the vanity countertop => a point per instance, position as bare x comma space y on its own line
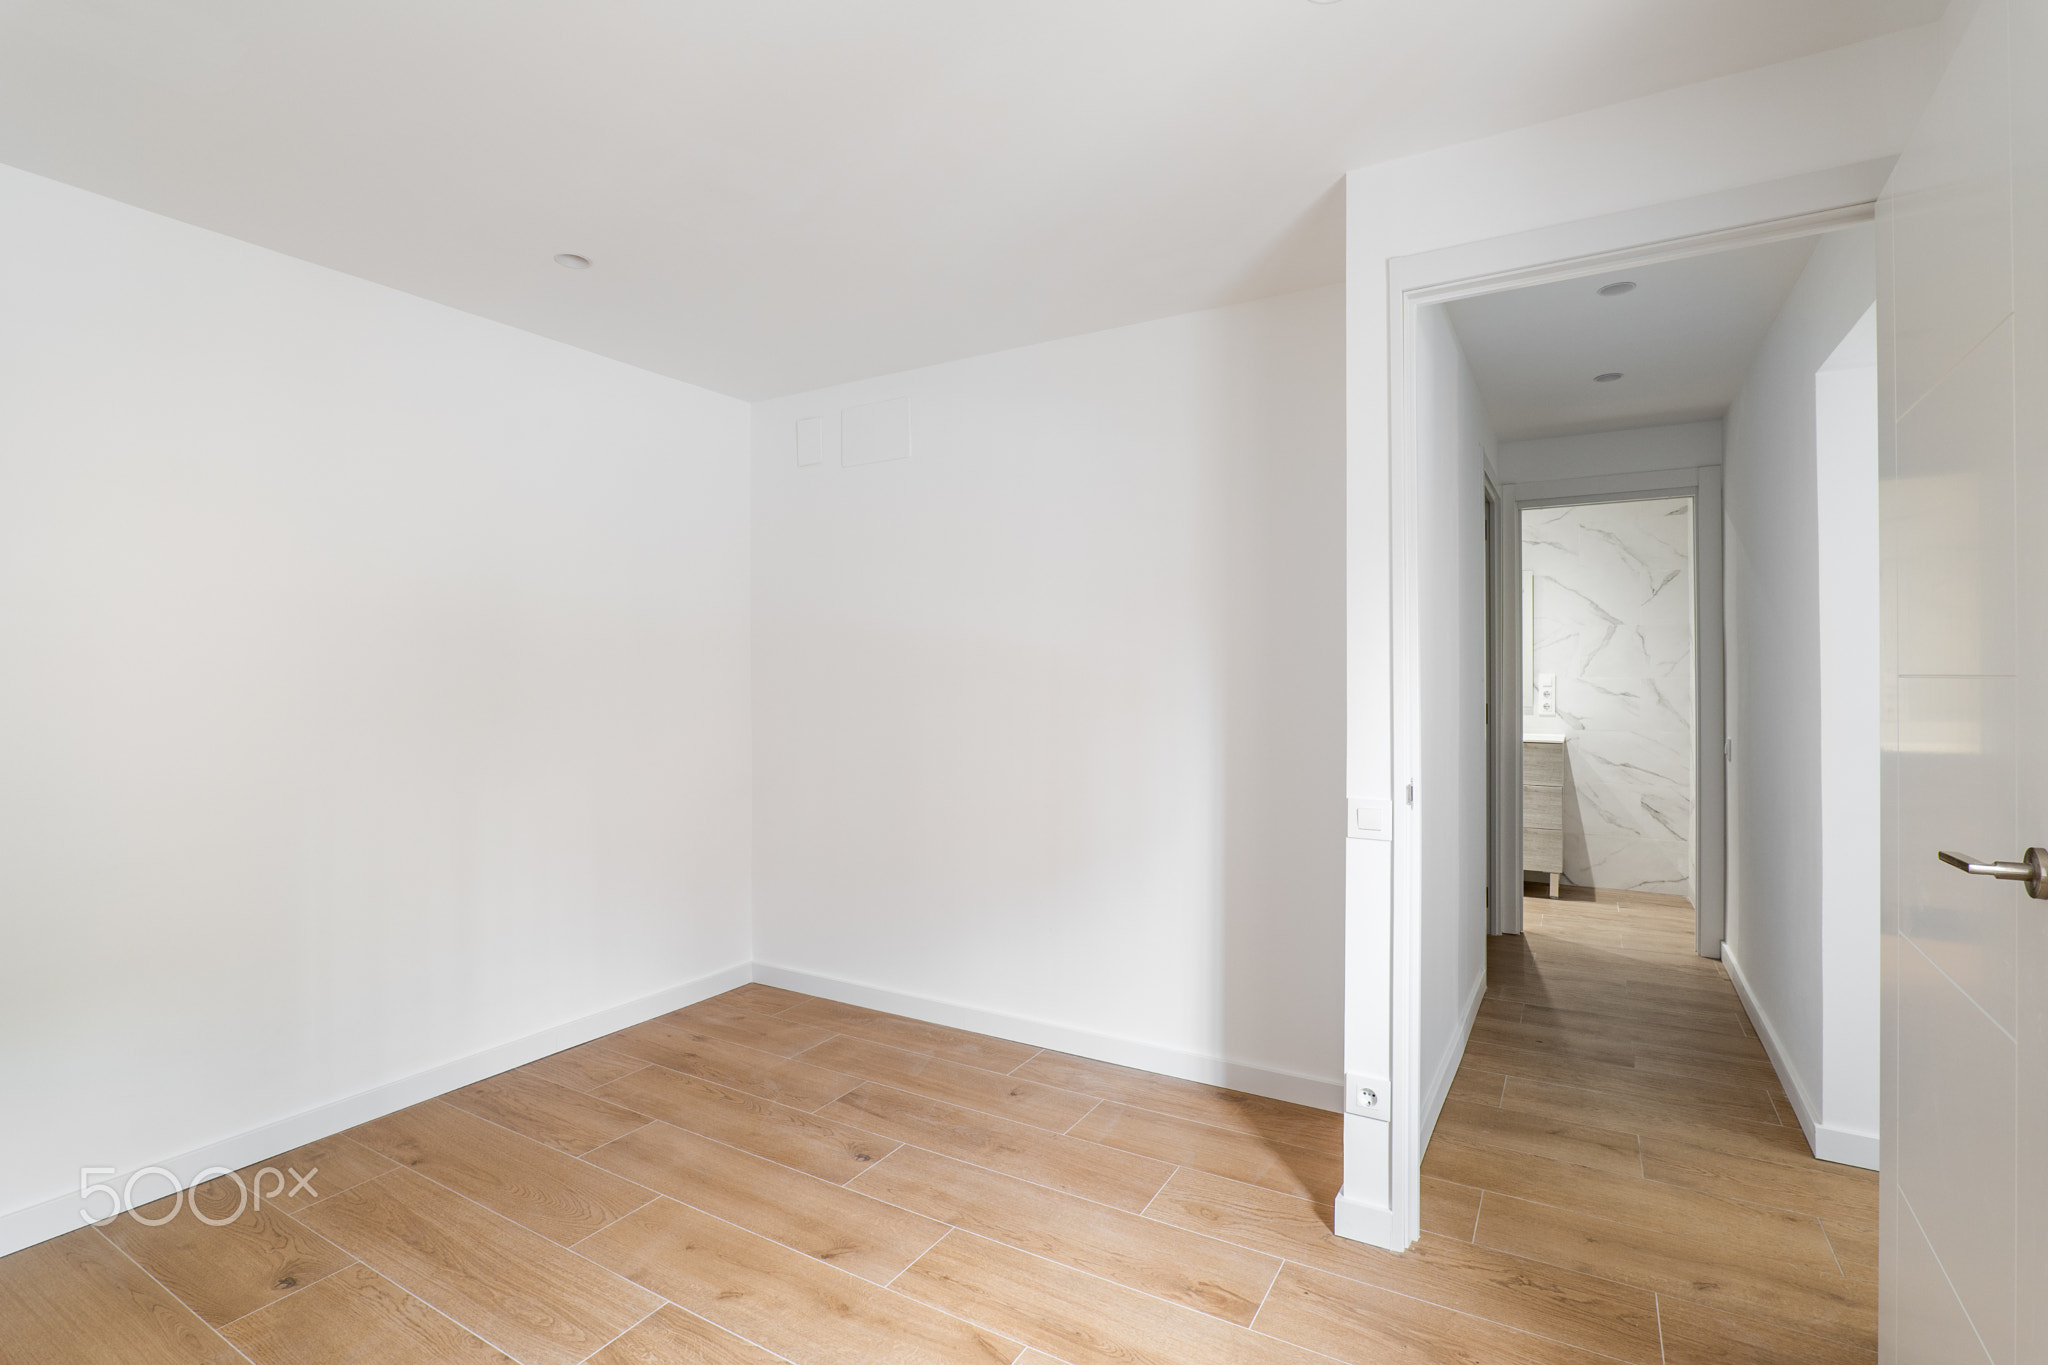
1528, 738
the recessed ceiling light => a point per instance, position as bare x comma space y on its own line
1322, 2
1607, 378
569, 260
1618, 287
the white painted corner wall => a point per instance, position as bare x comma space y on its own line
1803, 829
376, 702
1049, 714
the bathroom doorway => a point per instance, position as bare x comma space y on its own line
1608, 700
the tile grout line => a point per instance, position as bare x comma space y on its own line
296, 1289
632, 1327
150, 1275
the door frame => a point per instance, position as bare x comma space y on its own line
1702, 485
1801, 206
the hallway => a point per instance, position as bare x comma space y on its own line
1615, 1115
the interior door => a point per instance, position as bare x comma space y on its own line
1963, 265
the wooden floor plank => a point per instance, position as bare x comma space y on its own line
305, 1175
1088, 1169
1220, 1151
220, 1253
1353, 1322
517, 1290
1762, 1232
1629, 1113
356, 1315
790, 1303
1855, 1244
1742, 1102
1296, 1125
76, 1298
1626, 1011
530, 1183
1076, 1317
834, 1223
992, 1092
1713, 1274
762, 998
1602, 1316
1449, 1210
675, 1337
584, 1068
1700, 1336
913, 1035
811, 1143
565, 1119
1555, 1042
1603, 1149
732, 1065
765, 1032
1755, 1072
1476, 1085
1217, 1278
1823, 1189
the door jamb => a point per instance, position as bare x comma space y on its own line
1709, 824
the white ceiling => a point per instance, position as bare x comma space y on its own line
781, 194
1682, 340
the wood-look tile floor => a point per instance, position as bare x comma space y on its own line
772, 1177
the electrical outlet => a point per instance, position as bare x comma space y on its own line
1365, 1096
1546, 694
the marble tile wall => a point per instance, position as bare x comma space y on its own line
1613, 618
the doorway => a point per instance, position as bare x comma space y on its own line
1608, 685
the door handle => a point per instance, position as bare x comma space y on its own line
2031, 869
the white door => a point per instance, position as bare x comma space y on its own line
1963, 280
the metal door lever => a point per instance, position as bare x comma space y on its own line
2031, 869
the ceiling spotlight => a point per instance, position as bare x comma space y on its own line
569, 260
1607, 378
1608, 291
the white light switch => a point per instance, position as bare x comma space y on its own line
1370, 817
1546, 694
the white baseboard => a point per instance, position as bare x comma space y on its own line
1447, 1066
53, 1217
1320, 1092
1372, 1224
1843, 1145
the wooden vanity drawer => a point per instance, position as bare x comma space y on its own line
1543, 765
1543, 850
1542, 807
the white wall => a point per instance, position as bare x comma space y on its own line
1050, 713
1776, 881
1613, 623
1768, 141
1457, 444
375, 696
1851, 828
1637, 450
